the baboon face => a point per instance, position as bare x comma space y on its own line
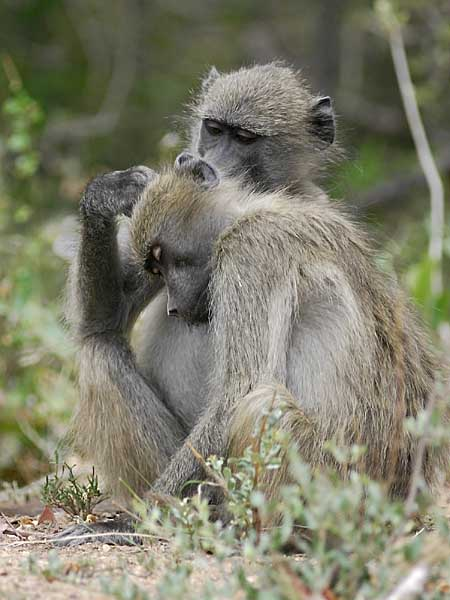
235, 149
263, 124
182, 257
174, 229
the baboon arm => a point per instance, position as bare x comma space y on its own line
208, 437
106, 290
121, 422
250, 327
255, 302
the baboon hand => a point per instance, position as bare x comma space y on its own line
115, 193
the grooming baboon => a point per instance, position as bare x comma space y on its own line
294, 298
263, 123
107, 292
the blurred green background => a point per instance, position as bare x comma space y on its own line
90, 85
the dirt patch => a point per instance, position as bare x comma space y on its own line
31, 567
94, 571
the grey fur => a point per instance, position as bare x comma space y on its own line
296, 300
106, 292
295, 128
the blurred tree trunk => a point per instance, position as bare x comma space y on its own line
327, 45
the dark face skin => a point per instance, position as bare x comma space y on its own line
235, 150
182, 257
267, 162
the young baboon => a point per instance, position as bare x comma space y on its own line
359, 337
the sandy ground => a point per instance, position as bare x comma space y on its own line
26, 572
31, 568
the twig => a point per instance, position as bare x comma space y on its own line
12, 530
421, 143
412, 585
210, 472
418, 459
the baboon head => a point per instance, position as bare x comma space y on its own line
263, 123
174, 228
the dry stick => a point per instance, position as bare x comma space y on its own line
218, 480
412, 585
11, 72
427, 162
12, 530
418, 460
422, 145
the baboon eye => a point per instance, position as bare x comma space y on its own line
213, 127
244, 136
149, 266
154, 255
156, 252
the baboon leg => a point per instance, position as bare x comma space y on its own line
250, 420
120, 421
112, 532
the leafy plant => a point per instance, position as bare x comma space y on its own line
63, 490
23, 115
123, 588
36, 391
357, 542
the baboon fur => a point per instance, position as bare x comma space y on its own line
296, 301
297, 280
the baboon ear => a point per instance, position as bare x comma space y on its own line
210, 79
199, 169
183, 158
323, 121
204, 173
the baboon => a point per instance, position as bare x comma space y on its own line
317, 317
293, 298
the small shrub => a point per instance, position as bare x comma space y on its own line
123, 588
356, 542
63, 490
